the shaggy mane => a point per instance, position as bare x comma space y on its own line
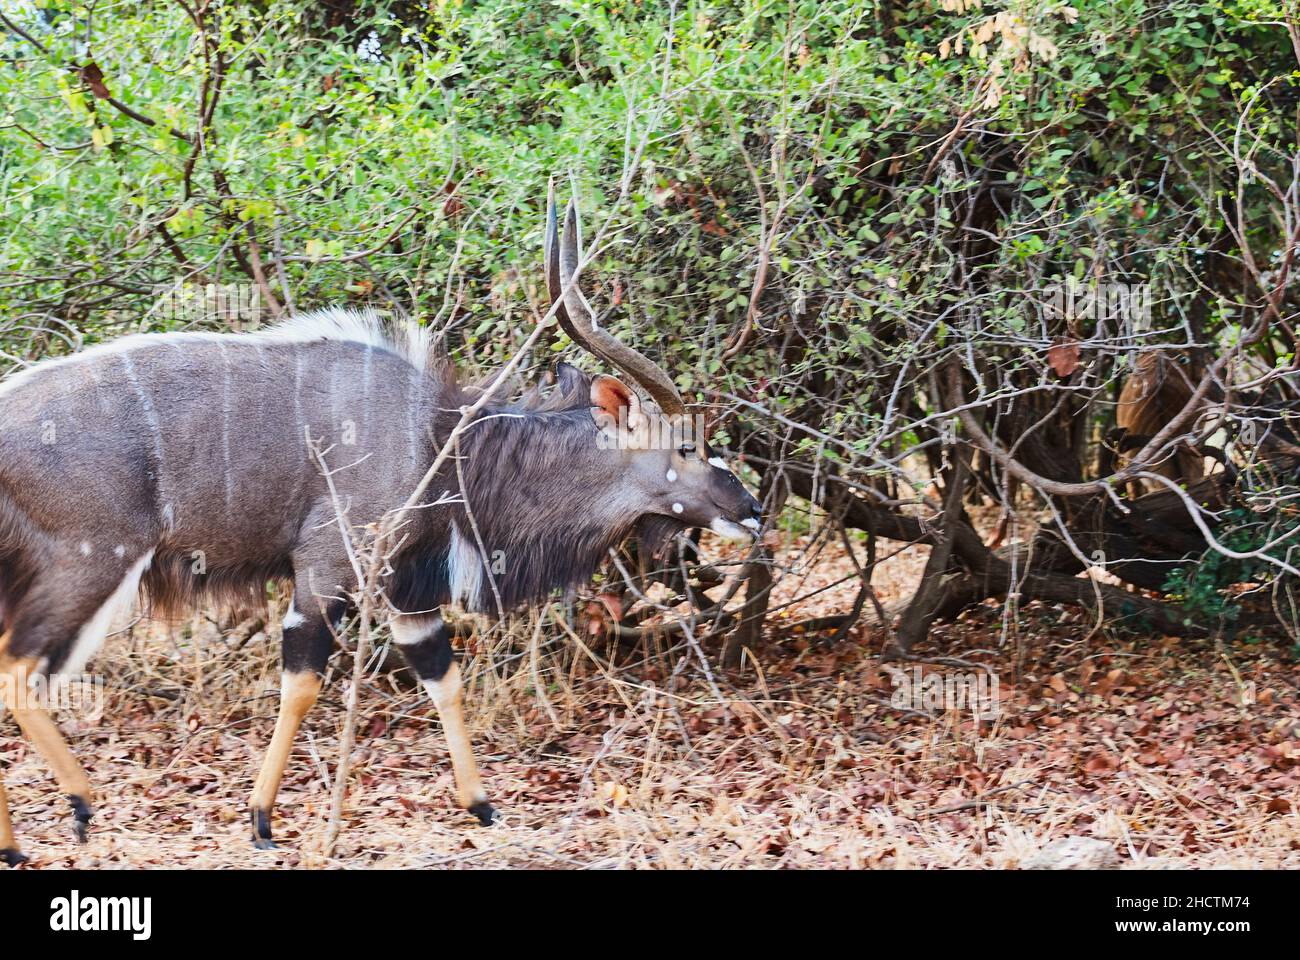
406, 338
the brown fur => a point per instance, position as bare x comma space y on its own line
1153, 394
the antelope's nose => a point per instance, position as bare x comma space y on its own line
754, 522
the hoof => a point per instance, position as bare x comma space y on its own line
262, 830
483, 810
81, 813
11, 856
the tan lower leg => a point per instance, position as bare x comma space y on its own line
446, 696
39, 727
8, 846
298, 692
6, 827
9, 852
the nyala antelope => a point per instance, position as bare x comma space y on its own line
122, 463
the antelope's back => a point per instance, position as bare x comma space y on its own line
205, 442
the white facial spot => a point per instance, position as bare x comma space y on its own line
718, 462
672, 475
293, 618
85, 548
119, 551
752, 524
677, 508
732, 531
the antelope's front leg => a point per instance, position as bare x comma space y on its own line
426, 643
307, 643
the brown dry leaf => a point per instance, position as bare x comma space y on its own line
1108, 683
601, 611
93, 78
613, 793
1100, 762
453, 205
1063, 357
613, 603
663, 195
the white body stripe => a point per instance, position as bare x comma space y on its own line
155, 428
719, 463
225, 425
92, 633
464, 570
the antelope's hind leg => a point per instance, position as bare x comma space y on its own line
426, 643
40, 729
9, 853
308, 641
57, 628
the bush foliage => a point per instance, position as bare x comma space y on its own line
817, 211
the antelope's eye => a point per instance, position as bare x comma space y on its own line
686, 449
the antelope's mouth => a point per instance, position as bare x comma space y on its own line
747, 530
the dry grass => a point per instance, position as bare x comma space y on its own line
606, 758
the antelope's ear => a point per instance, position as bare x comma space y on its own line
614, 407
569, 380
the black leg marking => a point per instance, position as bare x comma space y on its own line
430, 657
11, 857
483, 810
308, 645
81, 813
262, 830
